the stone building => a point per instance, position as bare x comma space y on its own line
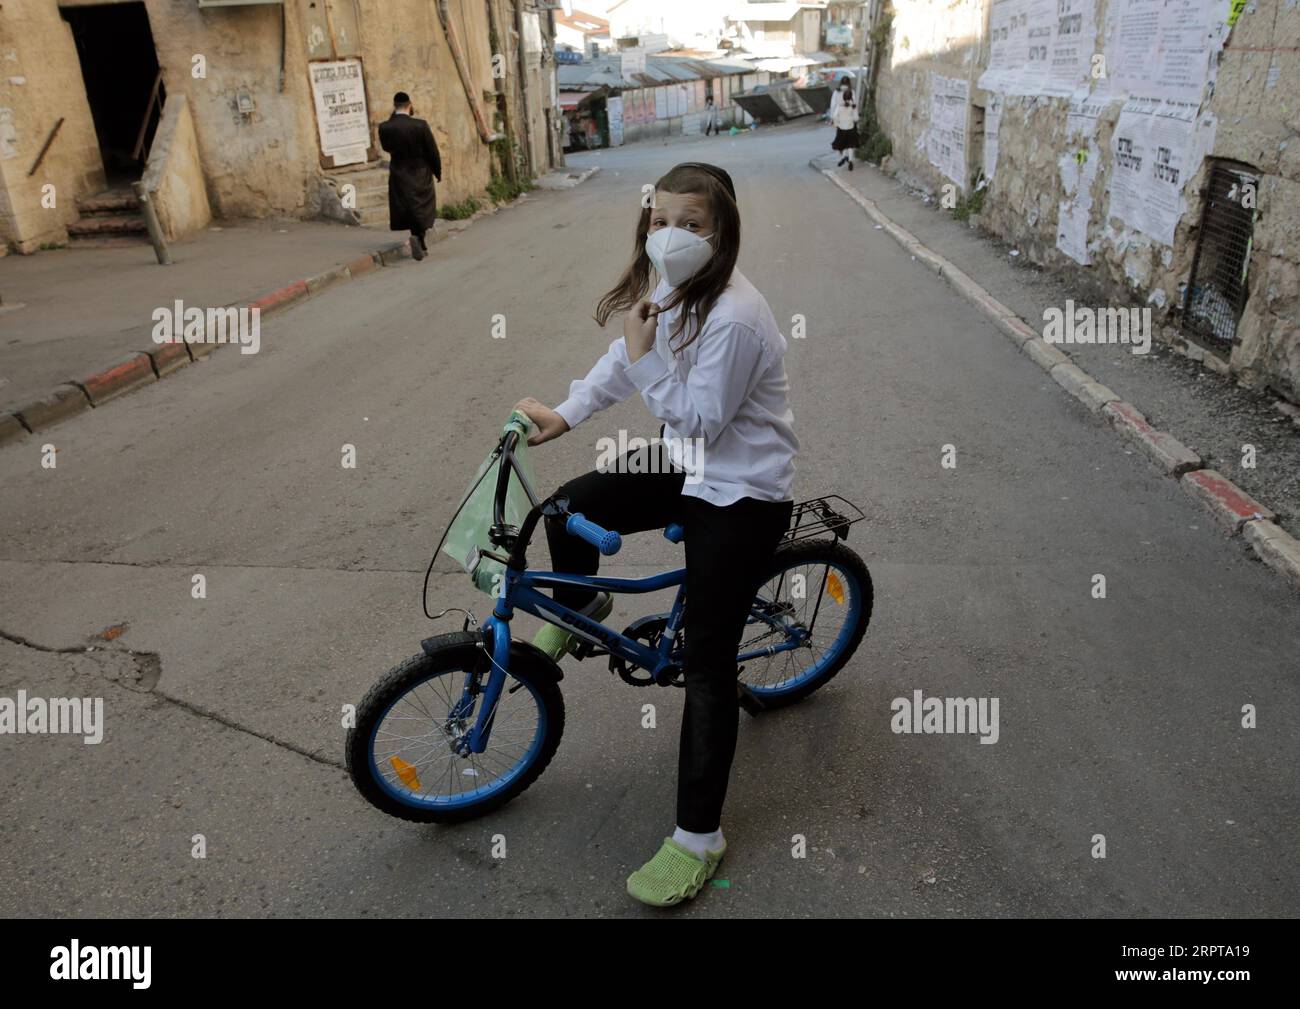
776, 29
1151, 149
257, 108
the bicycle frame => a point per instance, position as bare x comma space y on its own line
519, 591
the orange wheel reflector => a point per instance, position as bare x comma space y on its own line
835, 587
406, 772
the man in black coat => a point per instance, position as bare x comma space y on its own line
416, 163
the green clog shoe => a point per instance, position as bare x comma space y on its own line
675, 874
555, 641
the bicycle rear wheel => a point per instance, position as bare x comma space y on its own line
403, 753
807, 620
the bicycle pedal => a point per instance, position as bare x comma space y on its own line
749, 701
586, 650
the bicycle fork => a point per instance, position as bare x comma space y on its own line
496, 650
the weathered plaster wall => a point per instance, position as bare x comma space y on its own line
264, 161
507, 44
40, 81
537, 87
1258, 123
927, 36
257, 164
174, 176
404, 50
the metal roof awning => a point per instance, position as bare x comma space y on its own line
733, 65
607, 72
672, 68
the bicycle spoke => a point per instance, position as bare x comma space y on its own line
430, 765
778, 616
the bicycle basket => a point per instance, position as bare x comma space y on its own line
468, 534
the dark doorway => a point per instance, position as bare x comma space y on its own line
123, 85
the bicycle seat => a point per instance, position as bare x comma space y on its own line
674, 533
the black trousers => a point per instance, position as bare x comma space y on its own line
728, 550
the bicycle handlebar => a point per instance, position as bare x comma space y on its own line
606, 541
508, 442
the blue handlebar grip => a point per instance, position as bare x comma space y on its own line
607, 542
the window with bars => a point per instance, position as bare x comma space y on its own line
1216, 291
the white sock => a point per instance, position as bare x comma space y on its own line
700, 844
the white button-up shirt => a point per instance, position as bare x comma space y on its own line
724, 401
845, 117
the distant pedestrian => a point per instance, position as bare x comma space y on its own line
711, 117
412, 205
843, 89
846, 131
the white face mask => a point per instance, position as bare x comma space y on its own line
678, 254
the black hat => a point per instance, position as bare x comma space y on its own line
715, 171
401, 98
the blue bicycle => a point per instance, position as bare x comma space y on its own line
475, 718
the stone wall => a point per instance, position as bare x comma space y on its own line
1258, 122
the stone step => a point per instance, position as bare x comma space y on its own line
357, 169
112, 224
114, 202
373, 215
372, 197
361, 178
107, 242
124, 214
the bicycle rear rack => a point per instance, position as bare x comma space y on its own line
819, 515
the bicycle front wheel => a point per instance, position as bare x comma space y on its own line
405, 754
807, 620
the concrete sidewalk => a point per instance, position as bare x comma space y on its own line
82, 309
1206, 409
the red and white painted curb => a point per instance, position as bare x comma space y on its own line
1233, 508
157, 362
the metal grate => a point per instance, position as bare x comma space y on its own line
1216, 293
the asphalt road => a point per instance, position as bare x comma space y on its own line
1118, 716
